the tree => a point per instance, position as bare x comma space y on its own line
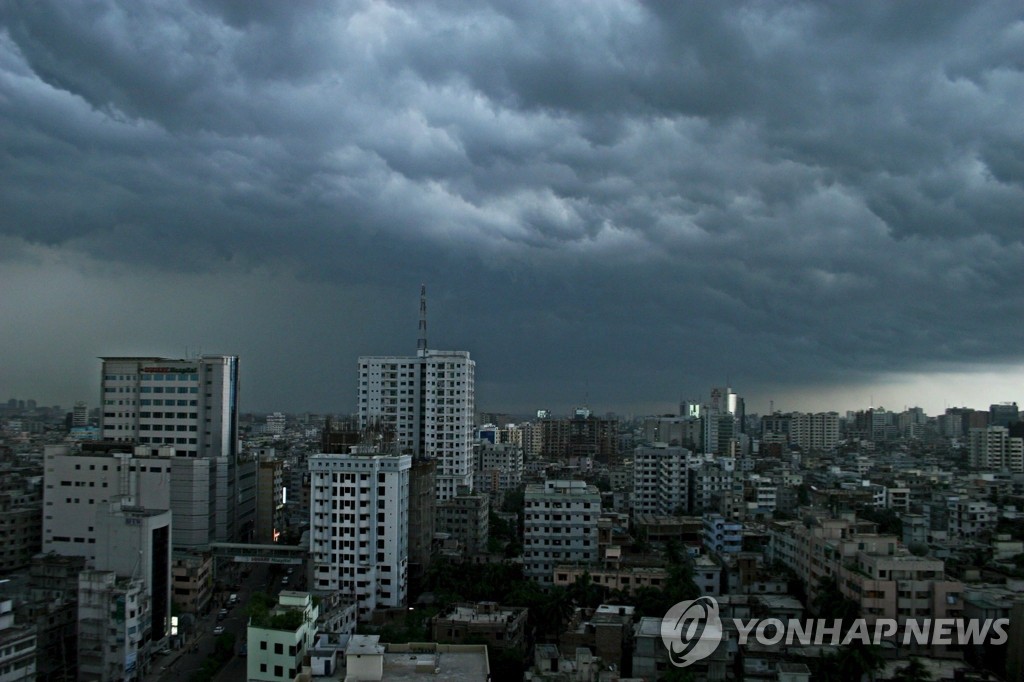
678, 675
914, 671
585, 593
831, 604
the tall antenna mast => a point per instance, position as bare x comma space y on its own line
421, 344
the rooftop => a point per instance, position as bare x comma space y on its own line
465, 663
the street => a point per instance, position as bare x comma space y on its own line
181, 664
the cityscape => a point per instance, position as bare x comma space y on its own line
161, 531
606, 341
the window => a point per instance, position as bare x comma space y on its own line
263, 646
278, 649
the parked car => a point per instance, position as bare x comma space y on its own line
222, 614
219, 630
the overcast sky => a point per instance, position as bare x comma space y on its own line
610, 202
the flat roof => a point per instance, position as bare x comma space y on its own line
457, 666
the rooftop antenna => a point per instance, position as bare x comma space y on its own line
421, 344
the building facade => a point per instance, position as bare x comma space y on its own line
465, 518
188, 404
427, 401
114, 620
359, 523
277, 645
560, 527
660, 483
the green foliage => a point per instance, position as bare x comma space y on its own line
414, 628
829, 603
914, 671
507, 665
259, 609
515, 501
852, 663
888, 520
224, 646
678, 675
291, 620
223, 650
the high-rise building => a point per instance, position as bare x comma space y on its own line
499, 467
427, 401
818, 431
134, 542
560, 527
583, 435
17, 646
269, 499
80, 414
191, 405
78, 484
1003, 414
993, 448
465, 518
660, 483
359, 523
422, 506
276, 423
114, 621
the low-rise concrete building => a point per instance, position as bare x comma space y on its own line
277, 643
503, 627
17, 647
465, 518
192, 581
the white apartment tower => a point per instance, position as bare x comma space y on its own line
993, 448
427, 401
359, 522
660, 483
560, 527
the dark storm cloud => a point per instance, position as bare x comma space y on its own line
609, 200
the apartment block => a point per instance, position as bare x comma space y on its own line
277, 643
721, 535
502, 627
819, 545
465, 518
114, 625
993, 448
560, 526
427, 401
901, 587
21, 525
192, 581
660, 482
269, 500
500, 467
17, 647
359, 523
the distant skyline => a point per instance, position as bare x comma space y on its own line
616, 203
